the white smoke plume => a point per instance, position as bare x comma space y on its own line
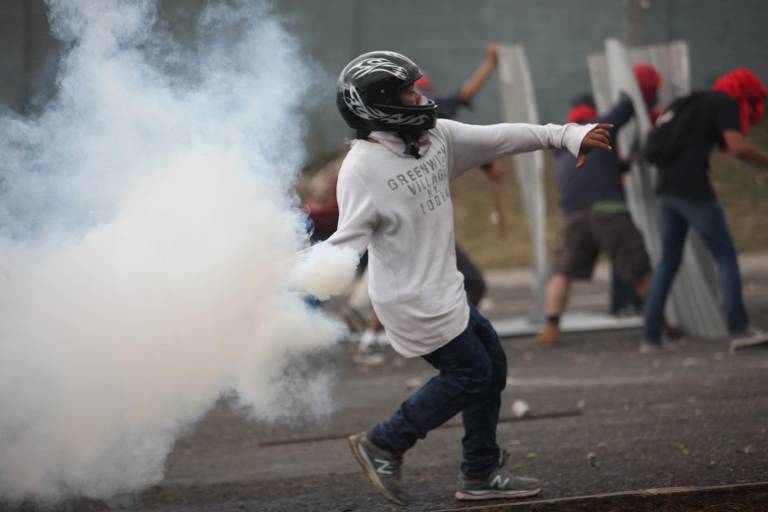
325, 270
146, 230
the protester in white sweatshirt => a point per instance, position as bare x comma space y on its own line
394, 200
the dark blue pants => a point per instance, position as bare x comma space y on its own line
707, 218
473, 373
623, 295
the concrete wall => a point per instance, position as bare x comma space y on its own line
447, 37
12, 54
28, 55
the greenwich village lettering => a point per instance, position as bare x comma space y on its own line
428, 179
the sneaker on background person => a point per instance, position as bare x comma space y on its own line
549, 336
671, 333
750, 337
649, 348
367, 340
369, 348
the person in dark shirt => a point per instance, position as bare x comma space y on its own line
595, 219
581, 189
721, 117
448, 105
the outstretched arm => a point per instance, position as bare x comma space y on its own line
473, 145
737, 145
475, 82
598, 138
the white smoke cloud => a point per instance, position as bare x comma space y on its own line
146, 230
325, 270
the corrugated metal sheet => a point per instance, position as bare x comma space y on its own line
519, 105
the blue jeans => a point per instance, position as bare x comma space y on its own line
473, 373
623, 295
707, 218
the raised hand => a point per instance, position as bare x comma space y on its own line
491, 53
598, 138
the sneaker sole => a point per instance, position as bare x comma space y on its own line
495, 495
364, 462
757, 339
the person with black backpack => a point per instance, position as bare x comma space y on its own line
679, 146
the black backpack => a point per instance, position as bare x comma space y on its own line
673, 129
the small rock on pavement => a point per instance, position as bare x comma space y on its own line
690, 361
413, 383
520, 409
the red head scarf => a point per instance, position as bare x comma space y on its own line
424, 84
649, 81
581, 114
743, 86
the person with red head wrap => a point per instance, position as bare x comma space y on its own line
649, 81
581, 113
595, 219
743, 86
702, 121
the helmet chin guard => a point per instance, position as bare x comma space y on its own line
368, 94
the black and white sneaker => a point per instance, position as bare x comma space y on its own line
382, 467
499, 484
749, 338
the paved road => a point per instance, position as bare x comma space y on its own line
604, 419
622, 421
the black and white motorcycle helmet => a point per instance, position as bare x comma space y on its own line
368, 94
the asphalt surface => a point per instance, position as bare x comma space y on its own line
603, 419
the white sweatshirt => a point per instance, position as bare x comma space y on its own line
399, 208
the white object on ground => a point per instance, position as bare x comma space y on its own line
520, 409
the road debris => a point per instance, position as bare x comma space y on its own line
520, 409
